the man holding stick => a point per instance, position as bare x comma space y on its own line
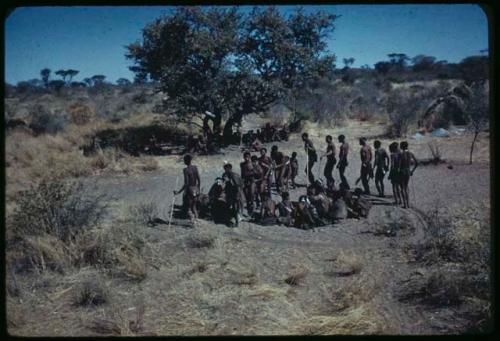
191, 187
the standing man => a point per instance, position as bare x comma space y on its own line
279, 163
266, 164
366, 164
330, 162
232, 190
294, 168
381, 165
259, 177
191, 187
248, 176
343, 152
312, 156
394, 172
407, 158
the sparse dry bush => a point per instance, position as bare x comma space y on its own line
91, 292
457, 241
200, 241
43, 121
296, 277
133, 263
57, 208
346, 264
47, 222
403, 107
93, 247
394, 224
80, 114
120, 324
440, 288
44, 252
144, 212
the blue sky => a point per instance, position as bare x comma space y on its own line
92, 39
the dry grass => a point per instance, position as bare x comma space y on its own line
91, 292
296, 277
46, 252
15, 313
347, 263
144, 212
200, 241
31, 158
134, 265
362, 320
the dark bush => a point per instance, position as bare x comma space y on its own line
44, 122
90, 293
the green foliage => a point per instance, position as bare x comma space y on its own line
229, 63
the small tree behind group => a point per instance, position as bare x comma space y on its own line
477, 111
403, 108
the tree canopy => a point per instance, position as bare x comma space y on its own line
230, 63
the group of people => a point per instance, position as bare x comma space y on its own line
373, 165
269, 133
322, 202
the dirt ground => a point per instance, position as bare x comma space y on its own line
240, 283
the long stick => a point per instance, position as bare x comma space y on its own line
413, 191
307, 166
173, 202
319, 168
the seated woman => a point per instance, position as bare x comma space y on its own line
268, 211
286, 210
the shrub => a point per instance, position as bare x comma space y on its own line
42, 121
140, 98
132, 262
80, 114
436, 289
346, 264
91, 292
57, 208
403, 107
296, 277
144, 212
200, 241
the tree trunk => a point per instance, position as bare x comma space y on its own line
472, 146
217, 123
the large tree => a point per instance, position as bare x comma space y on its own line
229, 63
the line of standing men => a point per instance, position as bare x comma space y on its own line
399, 163
256, 173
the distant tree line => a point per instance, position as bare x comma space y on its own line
46, 84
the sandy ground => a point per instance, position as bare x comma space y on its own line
211, 302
